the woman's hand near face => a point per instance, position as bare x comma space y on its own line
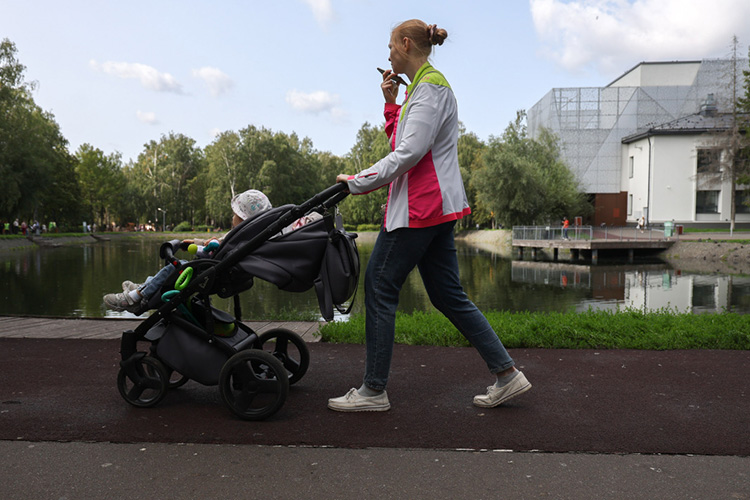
389, 87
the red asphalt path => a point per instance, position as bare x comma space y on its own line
669, 402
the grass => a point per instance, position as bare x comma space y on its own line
628, 329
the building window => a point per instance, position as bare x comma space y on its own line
630, 167
742, 202
630, 204
709, 160
707, 202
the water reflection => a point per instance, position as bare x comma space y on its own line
70, 282
647, 287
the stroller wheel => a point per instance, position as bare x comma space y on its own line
253, 384
289, 348
144, 382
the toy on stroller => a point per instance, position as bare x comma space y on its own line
190, 339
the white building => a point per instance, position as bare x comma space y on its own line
673, 173
635, 144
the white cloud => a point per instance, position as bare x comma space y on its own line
147, 117
218, 82
322, 10
614, 35
149, 77
313, 102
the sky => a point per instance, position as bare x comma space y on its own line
117, 75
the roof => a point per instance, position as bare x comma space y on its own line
689, 125
651, 63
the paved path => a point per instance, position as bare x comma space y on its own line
597, 424
102, 329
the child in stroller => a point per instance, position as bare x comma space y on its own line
134, 297
193, 340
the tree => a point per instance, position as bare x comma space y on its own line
281, 165
731, 145
101, 180
525, 181
37, 172
163, 177
470, 150
371, 146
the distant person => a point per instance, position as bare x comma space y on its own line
426, 198
565, 226
642, 223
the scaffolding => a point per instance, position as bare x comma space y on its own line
591, 121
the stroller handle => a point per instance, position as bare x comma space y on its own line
334, 194
168, 249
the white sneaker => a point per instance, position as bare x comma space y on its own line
498, 395
353, 401
123, 302
129, 286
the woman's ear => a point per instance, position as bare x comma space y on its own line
406, 44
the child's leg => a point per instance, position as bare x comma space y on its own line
154, 283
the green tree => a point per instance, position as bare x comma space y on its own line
731, 164
281, 165
371, 146
101, 180
37, 172
470, 151
525, 181
163, 177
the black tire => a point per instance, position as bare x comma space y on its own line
289, 348
147, 385
253, 384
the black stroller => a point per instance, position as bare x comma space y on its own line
191, 340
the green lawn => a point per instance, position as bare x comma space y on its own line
630, 329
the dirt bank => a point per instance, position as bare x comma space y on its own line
709, 256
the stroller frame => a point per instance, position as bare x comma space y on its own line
253, 382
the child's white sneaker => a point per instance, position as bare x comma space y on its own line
122, 302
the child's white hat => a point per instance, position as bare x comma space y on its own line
250, 203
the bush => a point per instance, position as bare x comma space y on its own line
367, 227
204, 228
183, 227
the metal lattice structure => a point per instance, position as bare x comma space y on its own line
591, 121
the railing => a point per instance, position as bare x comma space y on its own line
552, 233
616, 233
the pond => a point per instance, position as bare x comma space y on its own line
70, 281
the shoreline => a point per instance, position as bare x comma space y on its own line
700, 253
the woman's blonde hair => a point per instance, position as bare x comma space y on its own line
423, 36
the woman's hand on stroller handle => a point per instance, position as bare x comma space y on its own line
343, 179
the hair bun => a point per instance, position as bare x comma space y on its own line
436, 35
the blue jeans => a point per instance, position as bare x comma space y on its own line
433, 251
154, 283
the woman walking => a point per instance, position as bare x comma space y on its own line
426, 198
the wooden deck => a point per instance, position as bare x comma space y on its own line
22, 327
626, 239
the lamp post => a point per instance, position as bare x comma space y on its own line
164, 225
